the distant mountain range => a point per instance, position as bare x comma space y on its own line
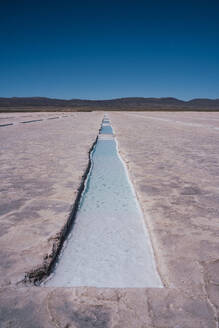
113, 104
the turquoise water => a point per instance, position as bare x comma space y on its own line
106, 129
109, 245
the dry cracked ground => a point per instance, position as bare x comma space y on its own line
173, 162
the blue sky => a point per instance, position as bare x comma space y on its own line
109, 49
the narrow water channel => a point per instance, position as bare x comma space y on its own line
109, 245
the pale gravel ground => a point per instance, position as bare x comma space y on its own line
175, 169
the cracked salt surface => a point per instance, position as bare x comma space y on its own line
109, 245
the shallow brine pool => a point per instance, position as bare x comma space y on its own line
109, 245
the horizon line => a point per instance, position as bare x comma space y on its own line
106, 99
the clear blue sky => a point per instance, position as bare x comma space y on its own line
109, 49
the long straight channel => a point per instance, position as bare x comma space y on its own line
109, 245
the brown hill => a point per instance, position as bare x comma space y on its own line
136, 103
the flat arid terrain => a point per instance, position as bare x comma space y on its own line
173, 163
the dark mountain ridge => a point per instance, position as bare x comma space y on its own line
118, 103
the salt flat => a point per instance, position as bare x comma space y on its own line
173, 163
42, 163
